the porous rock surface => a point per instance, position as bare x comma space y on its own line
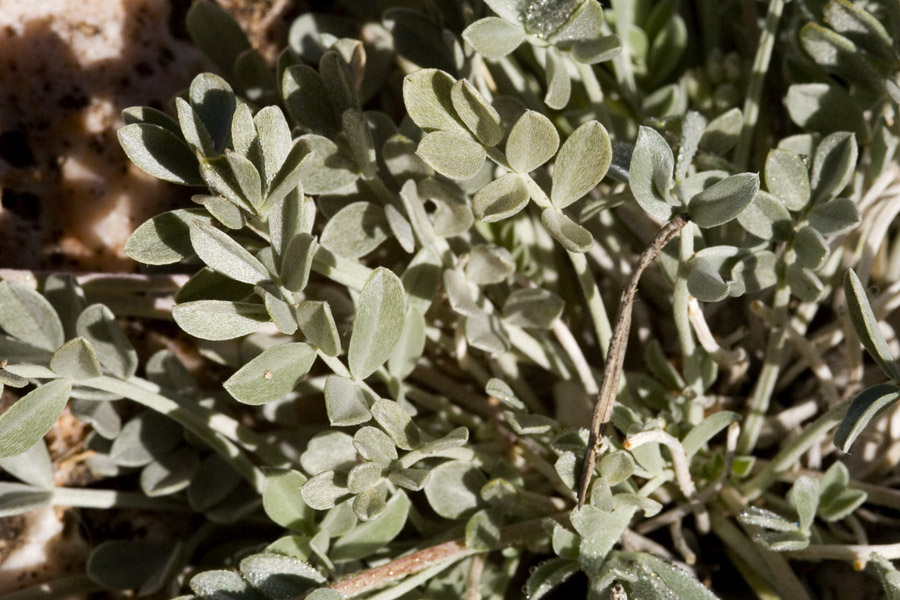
69, 196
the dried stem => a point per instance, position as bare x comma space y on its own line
615, 358
473, 578
429, 557
401, 567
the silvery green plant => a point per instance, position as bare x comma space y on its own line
407, 242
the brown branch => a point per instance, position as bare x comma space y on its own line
401, 567
615, 359
525, 532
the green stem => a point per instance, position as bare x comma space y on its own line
441, 405
594, 91
378, 187
596, 308
856, 553
92, 498
735, 540
509, 367
142, 391
200, 424
513, 73
654, 484
504, 576
770, 566
531, 451
768, 375
570, 346
790, 454
786, 581
215, 429
108, 283
622, 62
589, 289
533, 350
757, 79
140, 307
681, 313
340, 270
533, 502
